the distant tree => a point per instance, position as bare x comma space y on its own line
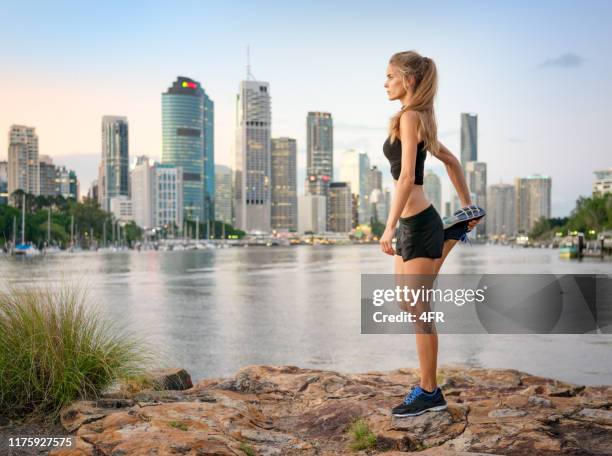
378, 228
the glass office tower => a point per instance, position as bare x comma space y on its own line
187, 141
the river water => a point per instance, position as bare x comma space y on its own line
215, 311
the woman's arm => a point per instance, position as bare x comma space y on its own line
455, 173
408, 137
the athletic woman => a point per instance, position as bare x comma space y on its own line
422, 244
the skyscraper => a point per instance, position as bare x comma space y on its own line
476, 177
500, 211
47, 174
23, 166
532, 195
378, 208
252, 200
355, 170
187, 142
603, 182
209, 158
142, 192
469, 137
375, 178
284, 184
339, 207
319, 152
433, 190
376, 198
3, 182
93, 190
121, 208
223, 194
157, 192
312, 213
167, 195
66, 183
113, 173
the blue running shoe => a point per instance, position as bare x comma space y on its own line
418, 402
458, 232
456, 226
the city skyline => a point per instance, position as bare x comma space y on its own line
532, 75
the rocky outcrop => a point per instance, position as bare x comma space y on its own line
285, 410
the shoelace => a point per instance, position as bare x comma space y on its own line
411, 396
465, 239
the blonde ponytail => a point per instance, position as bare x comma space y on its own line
426, 85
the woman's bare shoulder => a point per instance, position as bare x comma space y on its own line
409, 121
409, 116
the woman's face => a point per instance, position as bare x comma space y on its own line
393, 83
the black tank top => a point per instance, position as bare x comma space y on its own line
394, 153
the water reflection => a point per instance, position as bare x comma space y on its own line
213, 312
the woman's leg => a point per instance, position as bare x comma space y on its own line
448, 246
427, 344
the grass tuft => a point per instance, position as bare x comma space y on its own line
247, 449
362, 437
55, 348
179, 425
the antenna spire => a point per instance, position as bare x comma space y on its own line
248, 66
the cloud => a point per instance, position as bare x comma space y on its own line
567, 60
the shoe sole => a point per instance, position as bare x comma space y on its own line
456, 222
437, 408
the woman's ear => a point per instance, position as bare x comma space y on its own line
411, 81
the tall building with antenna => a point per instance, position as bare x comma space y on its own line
252, 199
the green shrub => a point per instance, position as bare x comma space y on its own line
179, 425
55, 348
362, 437
247, 449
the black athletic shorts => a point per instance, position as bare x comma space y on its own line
420, 235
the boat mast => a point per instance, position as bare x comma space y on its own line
23, 220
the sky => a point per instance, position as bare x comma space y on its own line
538, 74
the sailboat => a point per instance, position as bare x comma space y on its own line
25, 249
50, 249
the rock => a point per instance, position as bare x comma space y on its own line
286, 411
430, 429
600, 416
80, 413
565, 391
504, 413
171, 379
114, 403
437, 452
539, 401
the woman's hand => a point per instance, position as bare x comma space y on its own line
473, 223
386, 241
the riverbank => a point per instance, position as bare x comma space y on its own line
287, 410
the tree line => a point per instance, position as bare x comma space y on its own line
85, 219
591, 216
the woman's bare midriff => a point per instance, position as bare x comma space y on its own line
417, 201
